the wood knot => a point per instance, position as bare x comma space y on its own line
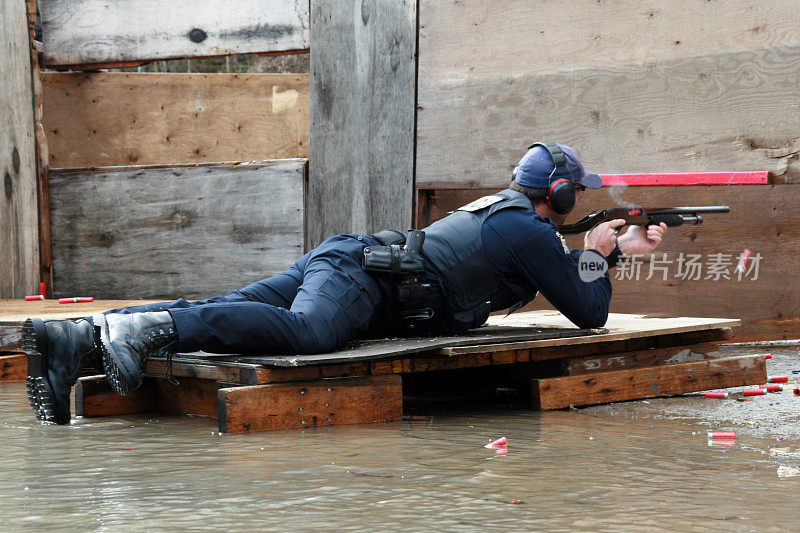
196, 35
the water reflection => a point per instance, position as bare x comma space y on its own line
561, 471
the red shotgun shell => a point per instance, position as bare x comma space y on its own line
76, 300
502, 441
34, 297
721, 435
754, 392
779, 379
774, 387
715, 394
767, 355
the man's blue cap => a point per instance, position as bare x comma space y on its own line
535, 168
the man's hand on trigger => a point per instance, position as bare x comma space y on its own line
637, 240
603, 237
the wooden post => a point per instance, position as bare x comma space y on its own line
363, 90
19, 221
328, 402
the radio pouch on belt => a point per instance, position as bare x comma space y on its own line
406, 264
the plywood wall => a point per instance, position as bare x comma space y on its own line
111, 119
189, 232
648, 86
82, 32
763, 218
361, 168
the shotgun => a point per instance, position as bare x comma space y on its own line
643, 216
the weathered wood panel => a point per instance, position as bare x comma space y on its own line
362, 116
112, 119
80, 32
13, 367
171, 232
360, 400
649, 382
763, 218
639, 359
474, 39
634, 86
19, 230
95, 397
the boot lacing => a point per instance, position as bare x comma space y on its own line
161, 342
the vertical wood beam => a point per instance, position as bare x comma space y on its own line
42, 156
363, 93
19, 226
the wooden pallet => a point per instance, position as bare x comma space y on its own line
634, 357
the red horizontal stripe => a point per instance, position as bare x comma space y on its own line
686, 178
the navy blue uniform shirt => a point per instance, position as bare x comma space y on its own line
526, 248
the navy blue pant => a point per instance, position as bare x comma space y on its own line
323, 301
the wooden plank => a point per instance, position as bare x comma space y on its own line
643, 358
14, 312
620, 327
183, 232
13, 367
19, 229
193, 396
363, 83
370, 350
649, 382
772, 230
704, 113
95, 397
81, 32
319, 403
458, 38
621, 342
112, 119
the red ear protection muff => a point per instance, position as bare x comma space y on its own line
561, 196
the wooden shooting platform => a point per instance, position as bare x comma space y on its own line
633, 357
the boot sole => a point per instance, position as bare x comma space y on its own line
113, 374
34, 344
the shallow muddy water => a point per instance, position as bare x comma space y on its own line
600, 469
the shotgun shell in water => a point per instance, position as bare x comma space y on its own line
715, 394
721, 435
34, 297
779, 379
774, 387
499, 443
754, 392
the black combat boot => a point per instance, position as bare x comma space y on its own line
57, 350
127, 340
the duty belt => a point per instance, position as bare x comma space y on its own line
400, 257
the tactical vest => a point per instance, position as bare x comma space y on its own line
454, 247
